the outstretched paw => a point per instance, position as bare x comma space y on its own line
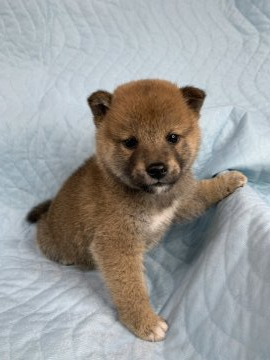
231, 181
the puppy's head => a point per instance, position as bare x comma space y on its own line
147, 132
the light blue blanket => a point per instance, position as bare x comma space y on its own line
210, 279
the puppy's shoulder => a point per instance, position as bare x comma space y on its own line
87, 173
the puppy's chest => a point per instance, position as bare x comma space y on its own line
155, 224
160, 220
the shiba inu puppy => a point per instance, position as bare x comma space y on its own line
122, 200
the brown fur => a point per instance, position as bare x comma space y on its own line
38, 210
110, 211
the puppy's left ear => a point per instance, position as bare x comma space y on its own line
194, 97
99, 103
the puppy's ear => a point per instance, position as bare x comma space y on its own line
194, 97
99, 103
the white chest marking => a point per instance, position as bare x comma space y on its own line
163, 218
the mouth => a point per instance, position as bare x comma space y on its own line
157, 188
159, 184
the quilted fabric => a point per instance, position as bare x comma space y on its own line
210, 278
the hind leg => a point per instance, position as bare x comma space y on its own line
47, 243
57, 251
49, 246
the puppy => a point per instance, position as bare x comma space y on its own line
122, 200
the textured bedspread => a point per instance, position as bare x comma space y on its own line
211, 278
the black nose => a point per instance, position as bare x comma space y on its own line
157, 170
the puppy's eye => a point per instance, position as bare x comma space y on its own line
130, 143
172, 138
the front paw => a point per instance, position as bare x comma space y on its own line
150, 326
231, 180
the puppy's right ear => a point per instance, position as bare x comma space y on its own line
99, 103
